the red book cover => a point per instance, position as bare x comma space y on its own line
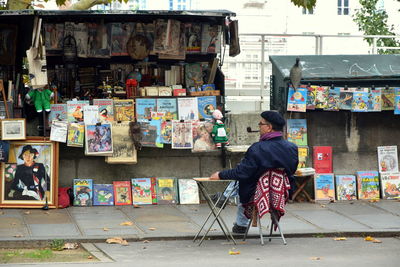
179, 92
322, 159
122, 193
153, 190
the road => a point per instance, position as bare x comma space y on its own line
298, 252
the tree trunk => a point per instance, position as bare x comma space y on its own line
86, 4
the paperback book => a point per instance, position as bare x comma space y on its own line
103, 195
321, 97
168, 107
390, 185
311, 95
324, 186
368, 185
188, 191
387, 158
167, 190
143, 191
83, 192
346, 188
374, 100
297, 131
360, 102
122, 193
345, 98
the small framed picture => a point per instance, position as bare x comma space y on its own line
13, 129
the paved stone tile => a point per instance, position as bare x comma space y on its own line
392, 206
168, 228
47, 217
132, 231
61, 230
165, 213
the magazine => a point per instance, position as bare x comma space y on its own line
75, 110
124, 110
91, 114
202, 140
106, 109
211, 39
182, 135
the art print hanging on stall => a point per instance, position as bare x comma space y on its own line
98, 141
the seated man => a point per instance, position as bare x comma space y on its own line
271, 152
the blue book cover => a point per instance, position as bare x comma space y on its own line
346, 188
324, 186
368, 185
208, 87
169, 107
360, 102
346, 98
103, 195
297, 99
374, 100
151, 133
83, 192
144, 107
207, 105
397, 101
332, 103
297, 131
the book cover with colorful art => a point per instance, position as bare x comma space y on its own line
387, 159
346, 98
58, 112
368, 185
193, 75
98, 140
166, 132
193, 32
397, 101
76, 134
182, 135
124, 110
122, 193
202, 140
321, 97
188, 108
169, 107
374, 100
297, 99
83, 192
324, 186
346, 188
151, 133
103, 195
167, 190
188, 191
387, 98
144, 107
311, 95
143, 191
332, 103
106, 109
360, 102
206, 106
297, 131
322, 159
211, 38
75, 110
390, 185
303, 155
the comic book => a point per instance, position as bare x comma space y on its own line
311, 95
346, 98
297, 99
144, 107
193, 37
324, 186
124, 110
321, 97
98, 141
81, 38
76, 134
106, 109
168, 107
368, 185
387, 98
75, 110
151, 133
83, 192
387, 159
206, 106
143, 191
193, 75
103, 195
360, 102
58, 112
188, 191
374, 100
202, 140
188, 108
167, 190
397, 101
182, 135
303, 155
297, 131
346, 188
332, 103
122, 193
124, 151
211, 38
322, 159
166, 132
91, 114
390, 185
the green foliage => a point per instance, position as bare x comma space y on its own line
372, 21
57, 244
40, 254
309, 4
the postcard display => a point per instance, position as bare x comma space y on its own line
160, 74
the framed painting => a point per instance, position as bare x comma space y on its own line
8, 37
30, 177
13, 129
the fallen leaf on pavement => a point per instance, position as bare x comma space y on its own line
136, 206
376, 241
71, 246
340, 238
322, 206
116, 240
315, 258
234, 252
369, 238
106, 229
373, 200
124, 243
46, 212
18, 235
152, 228
127, 223
27, 212
90, 257
146, 241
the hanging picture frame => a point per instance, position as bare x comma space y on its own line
13, 129
30, 177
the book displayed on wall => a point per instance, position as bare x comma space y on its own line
193, 37
297, 131
397, 101
321, 97
143, 191
311, 94
188, 191
151, 133
106, 109
322, 159
303, 155
83, 192
332, 103
193, 75
346, 188
122, 193
345, 98
98, 141
59, 131
76, 134
124, 151
54, 37
166, 132
103, 195
124, 110
182, 135
390, 185
168, 107
167, 190
387, 98
297, 100
374, 100
206, 106
324, 186
91, 114
387, 159
144, 107
188, 108
360, 102
81, 38
368, 184
75, 110
211, 38
58, 112
202, 140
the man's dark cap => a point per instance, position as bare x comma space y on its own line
273, 117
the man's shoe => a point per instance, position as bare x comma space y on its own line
215, 197
237, 229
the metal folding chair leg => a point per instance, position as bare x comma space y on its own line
274, 221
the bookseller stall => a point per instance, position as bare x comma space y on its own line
111, 97
344, 117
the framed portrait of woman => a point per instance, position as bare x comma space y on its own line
30, 177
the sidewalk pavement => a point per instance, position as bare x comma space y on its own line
97, 223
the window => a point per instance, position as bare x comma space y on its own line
343, 7
171, 5
308, 11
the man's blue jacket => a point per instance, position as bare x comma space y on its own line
268, 154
